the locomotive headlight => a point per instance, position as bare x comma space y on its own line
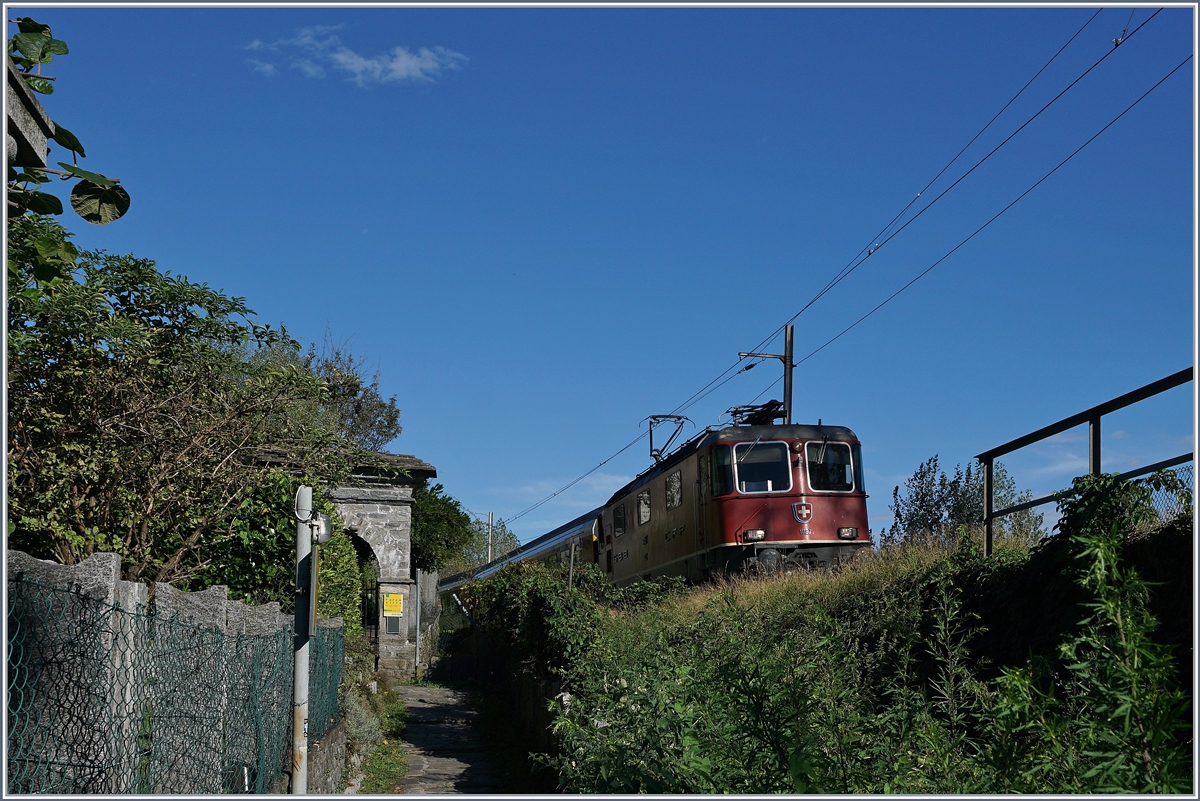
848, 533
754, 534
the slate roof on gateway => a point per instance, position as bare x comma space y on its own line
418, 470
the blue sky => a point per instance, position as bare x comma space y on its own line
544, 225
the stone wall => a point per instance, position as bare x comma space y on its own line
430, 614
29, 126
192, 671
326, 758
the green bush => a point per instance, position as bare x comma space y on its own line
904, 672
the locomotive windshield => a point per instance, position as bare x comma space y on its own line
829, 466
762, 466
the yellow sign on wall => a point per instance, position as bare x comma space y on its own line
393, 603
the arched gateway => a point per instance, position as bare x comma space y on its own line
379, 512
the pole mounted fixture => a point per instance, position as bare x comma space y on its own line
788, 364
312, 528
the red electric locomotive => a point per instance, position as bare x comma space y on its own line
757, 497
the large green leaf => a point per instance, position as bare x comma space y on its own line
94, 177
44, 203
98, 204
29, 25
67, 139
40, 85
47, 271
51, 248
56, 46
31, 175
32, 45
32, 200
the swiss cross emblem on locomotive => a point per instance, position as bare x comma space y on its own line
802, 512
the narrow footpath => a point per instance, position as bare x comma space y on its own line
441, 738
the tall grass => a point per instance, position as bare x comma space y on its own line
901, 672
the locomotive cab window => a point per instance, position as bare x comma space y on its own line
762, 466
675, 489
619, 520
722, 471
643, 507
829, 467
856, 458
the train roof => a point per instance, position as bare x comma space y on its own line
794, 431
710, 435
547, 542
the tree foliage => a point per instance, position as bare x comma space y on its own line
474, 551
440, 528
138, 402
95, 197
360, 413
935, 505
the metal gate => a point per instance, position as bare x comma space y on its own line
369, 604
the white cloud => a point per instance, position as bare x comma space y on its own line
309, 68
313, 49
310, 38
1064, 465
399, 65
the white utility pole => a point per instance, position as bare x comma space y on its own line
301, 623
489, 537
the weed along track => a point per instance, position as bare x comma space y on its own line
1063, 667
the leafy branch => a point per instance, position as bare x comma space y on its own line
96, 198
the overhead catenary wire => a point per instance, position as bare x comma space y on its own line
724, 377
846, 272
559, 492
987, 125
982, 227
880, 239
997, 215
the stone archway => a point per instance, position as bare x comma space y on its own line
379, 512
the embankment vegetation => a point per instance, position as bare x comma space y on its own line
1062, 666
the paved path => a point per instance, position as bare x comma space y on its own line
445, 754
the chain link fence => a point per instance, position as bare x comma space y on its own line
1172, 501
326, 656
102, 700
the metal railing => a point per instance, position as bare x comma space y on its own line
1092, 418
